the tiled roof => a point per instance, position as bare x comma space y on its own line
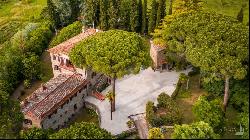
157, 47
67, 45
46, 100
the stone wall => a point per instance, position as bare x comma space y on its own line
65, 112
94, 107
56, 62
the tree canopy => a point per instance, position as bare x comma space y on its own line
198, 130
209, 112
215, 43
82, 130
112, 52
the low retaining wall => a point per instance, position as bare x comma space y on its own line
94, 107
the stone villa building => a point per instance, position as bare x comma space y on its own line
55, 102
157, 53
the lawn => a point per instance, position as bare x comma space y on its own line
14, 15
85, 115
228, 7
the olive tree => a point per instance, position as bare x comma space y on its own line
114, 53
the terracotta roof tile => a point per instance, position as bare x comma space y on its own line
44, 101
67, 45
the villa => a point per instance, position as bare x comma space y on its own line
55, 102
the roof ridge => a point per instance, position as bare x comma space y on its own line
32, 109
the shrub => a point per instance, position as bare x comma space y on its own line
209, 112
214, 88
130, 123
149, 111
239, 94
67, 33
27, 83
164, 100
176, 91
126, 134
198, 130
155, 133
171, 113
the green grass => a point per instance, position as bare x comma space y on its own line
14, 15
228, 7
231, 128
85, 116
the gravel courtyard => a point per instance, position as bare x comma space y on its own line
132, 94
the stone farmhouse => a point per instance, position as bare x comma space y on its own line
157, 53
55, 102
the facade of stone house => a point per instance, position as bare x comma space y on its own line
157, 54
55, 102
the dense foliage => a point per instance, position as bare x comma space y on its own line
11, 119
198, 130
82, 130
67, 33
155, 133
166, 112
209, 112
35, 133
191, 35
114, 53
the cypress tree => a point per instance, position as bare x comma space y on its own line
90, 13
152, 18
139, 15
124, 15
53, 14
144, 17
113, 14
170, 7
160, 11
103, 14
134, 16
75, 9
240, 15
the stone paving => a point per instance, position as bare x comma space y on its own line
132, 94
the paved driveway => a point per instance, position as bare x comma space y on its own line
132, 94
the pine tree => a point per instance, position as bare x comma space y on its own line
53, 14
134, 16
144, 17
152, 18
160, 11
139, 15
113, 14
103, 14
240, 15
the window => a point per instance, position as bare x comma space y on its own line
49, 116
85, 87
75, 107
60, 115
65, 112
93, 75
55, 111
54, 122
54, 57
71, 98
55, 67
